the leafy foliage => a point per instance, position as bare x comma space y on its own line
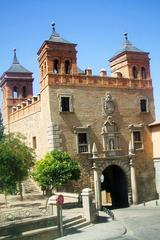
56, 169
16, 160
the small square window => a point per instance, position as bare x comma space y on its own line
82, 142
65, 103
137, 140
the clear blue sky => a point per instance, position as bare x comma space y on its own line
97, 26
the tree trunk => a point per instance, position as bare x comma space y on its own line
20, 191
5, 195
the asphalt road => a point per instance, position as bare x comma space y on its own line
141, 223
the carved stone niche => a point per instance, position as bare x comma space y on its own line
108, 106
111, 137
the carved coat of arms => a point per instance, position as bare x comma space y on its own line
108, 104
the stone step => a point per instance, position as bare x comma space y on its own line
76, 227
74, 222
46, 233
27, 225
30, 186
70, 225
68, 220
52, 231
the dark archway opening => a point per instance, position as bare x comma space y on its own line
115, 184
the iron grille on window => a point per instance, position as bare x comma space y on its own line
82, 142
137, 140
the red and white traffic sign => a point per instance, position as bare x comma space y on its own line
60, 199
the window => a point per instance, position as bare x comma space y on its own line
24, 92
34, 143
65, 103
67, 67
143, 105
143, 73
56, 66
135, 72
45, 67
82, 139
137, 140
15, 92
42, 71
82, 142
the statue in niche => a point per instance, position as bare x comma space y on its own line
111, 144
108, 104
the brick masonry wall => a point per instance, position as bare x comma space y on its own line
87, 105
56, 130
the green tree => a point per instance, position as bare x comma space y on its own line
1, 127
54, 170
16, 160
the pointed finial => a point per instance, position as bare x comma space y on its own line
126, 36
94, 150
15, 60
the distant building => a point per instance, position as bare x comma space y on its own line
155, 130
75, 110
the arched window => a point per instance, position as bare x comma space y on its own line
56, 66
24, 92
15, 92
42, 71
143, 73
45, 67
135, 72
67, 67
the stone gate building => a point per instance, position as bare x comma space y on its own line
97, 119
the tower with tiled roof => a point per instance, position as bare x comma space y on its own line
56, 56
130, 62
16, 84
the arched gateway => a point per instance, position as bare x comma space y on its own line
114, 187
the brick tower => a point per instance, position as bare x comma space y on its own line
16, 84
130, 62
56, 56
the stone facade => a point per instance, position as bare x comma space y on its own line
76, 109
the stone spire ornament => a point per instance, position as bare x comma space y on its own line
94, 150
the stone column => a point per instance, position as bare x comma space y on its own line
133, 182
157, 174
97, 187
87, 204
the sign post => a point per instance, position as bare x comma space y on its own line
59, 202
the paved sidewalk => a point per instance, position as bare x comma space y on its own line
104, 229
